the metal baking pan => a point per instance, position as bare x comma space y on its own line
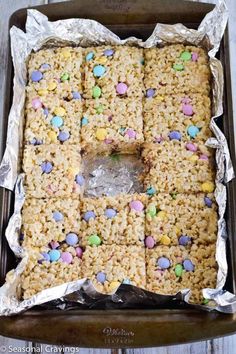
127, 327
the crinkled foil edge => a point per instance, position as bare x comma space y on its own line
41, 33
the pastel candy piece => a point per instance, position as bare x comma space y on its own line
79, 180
127, 281
114, 285
186, 56
194, 56
60, 111
136, 205
52, 85
108, 52
94, 240
178, 270
35, 141
89, 215
52, 136
65, 77
84, 121
208, 187
36, 103
191, 147
188, 265
72, 239
187, 109
165, 240
46, 167
36, 76
208, 202
57, 121
152, 211
54, 255
57, 216
150, 92
149, 242
99, 70
121, 88
184, 240
175, 135
100, 109
42, 92
76, 95
151, 191
63, 136
142, 61
96, 92
79, 252
178, 67
46, 256
161, 214
163, 263
110, 213
101, 277
108, 141
193, 131
66, 257
203, 157
130, 133
101, 134
45, 111
45, 66
158, 139
54, 244
89, 56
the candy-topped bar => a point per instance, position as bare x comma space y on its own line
182, 117
108, 266
175, 69
181, 219
171, 269
113, 220
175, 166
52, 171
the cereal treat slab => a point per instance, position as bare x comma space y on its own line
181, 219
173, 166
113, 72
110, 265
177, 117
176, 69
50, 220
52, 170
43, 272
113, 220
171, 269
115, 125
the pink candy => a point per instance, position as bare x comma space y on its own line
36, 103
159, 139
54, 244
130, 133
121, 88
66, 257
203, 157
108, 141
136, 205
149, 242
194, 56
191, 147
187, 109
79, 252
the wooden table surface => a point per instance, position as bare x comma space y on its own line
225, 345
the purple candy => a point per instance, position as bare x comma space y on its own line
187, 109
76, 95
184, 240
194, 56
101, 277
72, 239
149, 242
35, 141
110, 213
208, 202
66, 257
130, 133
46, 256
36, 103
57, 216
163, 263
89, 215
63, 136
191, 147
45, 66
54, 245
121, 88
188, 265
150, 92
79, 179
175, 135
45, 111
36, 76
46, 167
108, 52
136, 205
79, 252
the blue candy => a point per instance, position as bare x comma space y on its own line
57, 121
208, 202
99, 70
76, 95
127, 281
54, 255
46, 167
110, 213
175, 135
184, 240
101, 277
151, 191
89, 215
57, 216
45, 66
84, 121
63, 136
72, 239
89, 56
188, 265
36, 76
150, 92
79, 180
163, 263
46, 256
193, 131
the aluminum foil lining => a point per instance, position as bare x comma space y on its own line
41, 33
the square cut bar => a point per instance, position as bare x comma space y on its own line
115, 220
46, 220
171, 167
110, 265
115, 125
182, 219
175, 69
113, 72
188, 116
51, 170
171, 269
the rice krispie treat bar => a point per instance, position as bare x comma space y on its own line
52, 170
110, 265
181, 219
171, 269
47, 270
177, 116
113, 72
48, 221
174, 166
113, 220
176, 69
112, 125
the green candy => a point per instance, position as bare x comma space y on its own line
178, 67
94, 240
96, 92
100, 109
186, 56
152, 211
65, 77
178, 270
205, 301
115, 157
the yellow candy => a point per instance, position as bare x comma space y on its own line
66, 53
177, 230
73, 171
101, 60
42, 92
52, 85
161, 98
101, 134
161, 214
193, 158
52, 136
165, 240
59, 111
114, 285
208, 187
